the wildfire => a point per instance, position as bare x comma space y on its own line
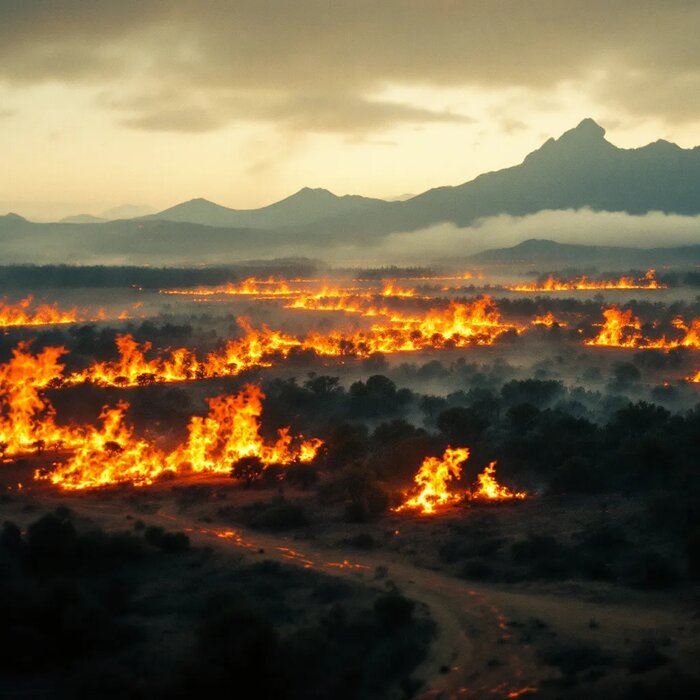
22, 314
583, 283
432, 479
458, 325
231, 431
251, 286
621, 329
488, 489
111, 454
435, 474
26, 418
547, 320
695, 378
25, 313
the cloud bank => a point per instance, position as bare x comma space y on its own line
316, 65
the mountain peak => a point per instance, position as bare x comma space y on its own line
11, 216
585, 141
587, 131
314, 192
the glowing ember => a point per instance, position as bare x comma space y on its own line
111, 454
552, 284
433, 478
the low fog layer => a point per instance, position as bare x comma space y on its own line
166, 243
583, 227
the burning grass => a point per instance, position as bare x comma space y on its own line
583, 283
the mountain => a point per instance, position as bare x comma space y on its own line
304, 207
545, 252
82, 219
126, 211
579, 169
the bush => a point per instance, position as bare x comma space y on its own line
573, 658
170, 542
277, 515
393, 610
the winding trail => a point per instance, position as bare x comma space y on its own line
472, 654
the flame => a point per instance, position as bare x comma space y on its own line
458, 325
26, 418
434, 475
231, 431
695, 378
270, 287
133, 369
490, 490
621, 329
552, 284
21, 314
432, 479
24, 314
548, 320
111, 454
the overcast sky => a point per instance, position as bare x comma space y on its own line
104, 102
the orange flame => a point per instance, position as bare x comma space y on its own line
458, 325
552, 284
621, 329
21, 314
26, 418
111, 454
547, 320
490, 490
433, 478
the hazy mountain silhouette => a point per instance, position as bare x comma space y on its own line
82, 219
545, 252
304, 207
580, 169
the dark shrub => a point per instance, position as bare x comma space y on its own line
393, 610
278, 515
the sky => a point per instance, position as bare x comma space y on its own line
244, 102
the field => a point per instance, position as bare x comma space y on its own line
397, 482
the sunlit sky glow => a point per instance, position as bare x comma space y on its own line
244, 102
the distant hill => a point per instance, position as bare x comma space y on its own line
579, 169
304, 207
82, 219
126, 211
544, 252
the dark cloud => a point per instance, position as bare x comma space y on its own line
315, 64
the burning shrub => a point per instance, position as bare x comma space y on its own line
248, 469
